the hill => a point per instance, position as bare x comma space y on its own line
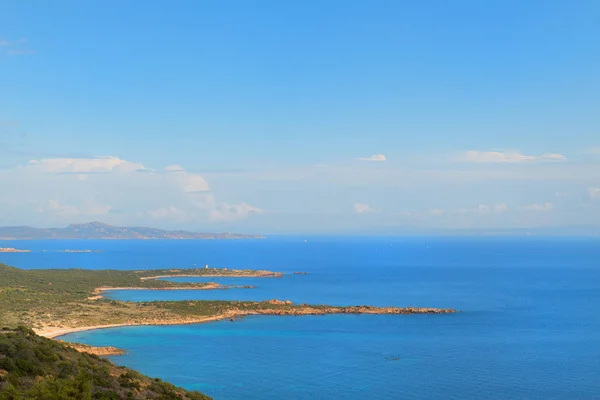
33, 367
98, 230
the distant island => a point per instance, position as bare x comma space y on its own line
13, 250
99, 230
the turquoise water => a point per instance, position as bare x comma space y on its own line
529, 326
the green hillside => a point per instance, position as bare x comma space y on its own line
33, 367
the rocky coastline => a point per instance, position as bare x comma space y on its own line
266, 307
102, 351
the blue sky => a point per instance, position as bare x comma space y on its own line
270, 116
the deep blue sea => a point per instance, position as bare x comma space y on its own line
529, 326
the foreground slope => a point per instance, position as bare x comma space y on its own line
33, 367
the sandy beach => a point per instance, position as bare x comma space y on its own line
54, 332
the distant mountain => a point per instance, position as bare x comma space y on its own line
98, 230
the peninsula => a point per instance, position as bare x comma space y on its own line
54, 302
99, 230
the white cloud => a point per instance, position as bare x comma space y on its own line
192, 182
189, 182
362, 208
65, 190
174, 168
84, 165
436, 211
492, 208
67, 210
547, 206
230, 212
14, 47
171, 213
374, 157
474, 156
594, 193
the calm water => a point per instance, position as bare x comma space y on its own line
530, 326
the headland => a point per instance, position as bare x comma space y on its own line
53, 302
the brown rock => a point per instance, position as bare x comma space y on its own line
275, 301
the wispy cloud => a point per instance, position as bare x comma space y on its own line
594, 193
374, 157
475, 156
174, 168
15, 47
67, 189
169, 213
547, 206
69, 211
231, 212
362, 208
492, 208
84, 165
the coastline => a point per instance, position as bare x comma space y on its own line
53, 333
266, 275
301, 310
98, 293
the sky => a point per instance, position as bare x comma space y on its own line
301, 116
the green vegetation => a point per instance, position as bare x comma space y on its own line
33, 367
50, 301
61, 298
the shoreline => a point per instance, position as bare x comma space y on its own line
98, 293
58, 332
269, 275
302, 310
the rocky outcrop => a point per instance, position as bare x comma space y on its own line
322, 310
97, 350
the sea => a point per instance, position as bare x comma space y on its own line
528, 326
